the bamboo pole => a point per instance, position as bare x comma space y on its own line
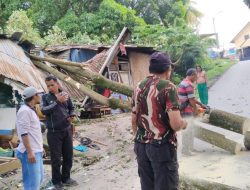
113, 103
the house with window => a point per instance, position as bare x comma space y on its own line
242, 42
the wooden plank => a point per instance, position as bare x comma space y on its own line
218, 137
10, 166
7, 158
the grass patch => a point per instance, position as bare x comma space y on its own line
215, 68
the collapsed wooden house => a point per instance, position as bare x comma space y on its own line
129, 66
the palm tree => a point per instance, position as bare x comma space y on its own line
192, 15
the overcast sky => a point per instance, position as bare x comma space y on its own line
230, 17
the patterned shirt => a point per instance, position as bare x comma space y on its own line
185, 92
152, 99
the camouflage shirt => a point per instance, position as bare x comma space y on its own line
152, 99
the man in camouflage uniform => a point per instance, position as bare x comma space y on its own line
155, 120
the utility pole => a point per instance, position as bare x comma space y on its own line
216, 35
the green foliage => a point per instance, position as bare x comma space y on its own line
6, 9
168, 25
46, 13
84, 38
56, 36
112, 17
167, 12
215, 68
69, 23
181, 43
19, 22
89, 6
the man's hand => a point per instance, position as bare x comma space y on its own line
203, 106
62, 97
31, 157
134, 130
71, 119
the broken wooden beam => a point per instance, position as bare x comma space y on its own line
123, 37
113, 51
229, 121
219, 137
8, 164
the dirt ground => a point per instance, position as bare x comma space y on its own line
114, 166
110, 168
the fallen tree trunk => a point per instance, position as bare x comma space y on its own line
218, 137
59, 62
112, 103
199, 184
96, 78
229, 121
247, 140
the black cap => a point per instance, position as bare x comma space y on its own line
191, 71
159, 62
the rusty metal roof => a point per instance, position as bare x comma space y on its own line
15, 65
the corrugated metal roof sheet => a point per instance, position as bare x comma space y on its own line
15, 65
95, 64
60, 48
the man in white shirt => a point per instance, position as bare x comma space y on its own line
30, 149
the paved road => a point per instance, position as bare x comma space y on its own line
232, 91
229, 93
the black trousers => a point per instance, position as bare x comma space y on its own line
157, 166
61, 148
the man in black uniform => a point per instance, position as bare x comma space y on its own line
59, 111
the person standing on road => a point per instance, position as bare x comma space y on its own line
202, 84
155, 120
59, 111
30, 148
189, 108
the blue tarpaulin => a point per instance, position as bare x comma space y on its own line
81, 55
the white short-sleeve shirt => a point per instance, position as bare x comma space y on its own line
27, 122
